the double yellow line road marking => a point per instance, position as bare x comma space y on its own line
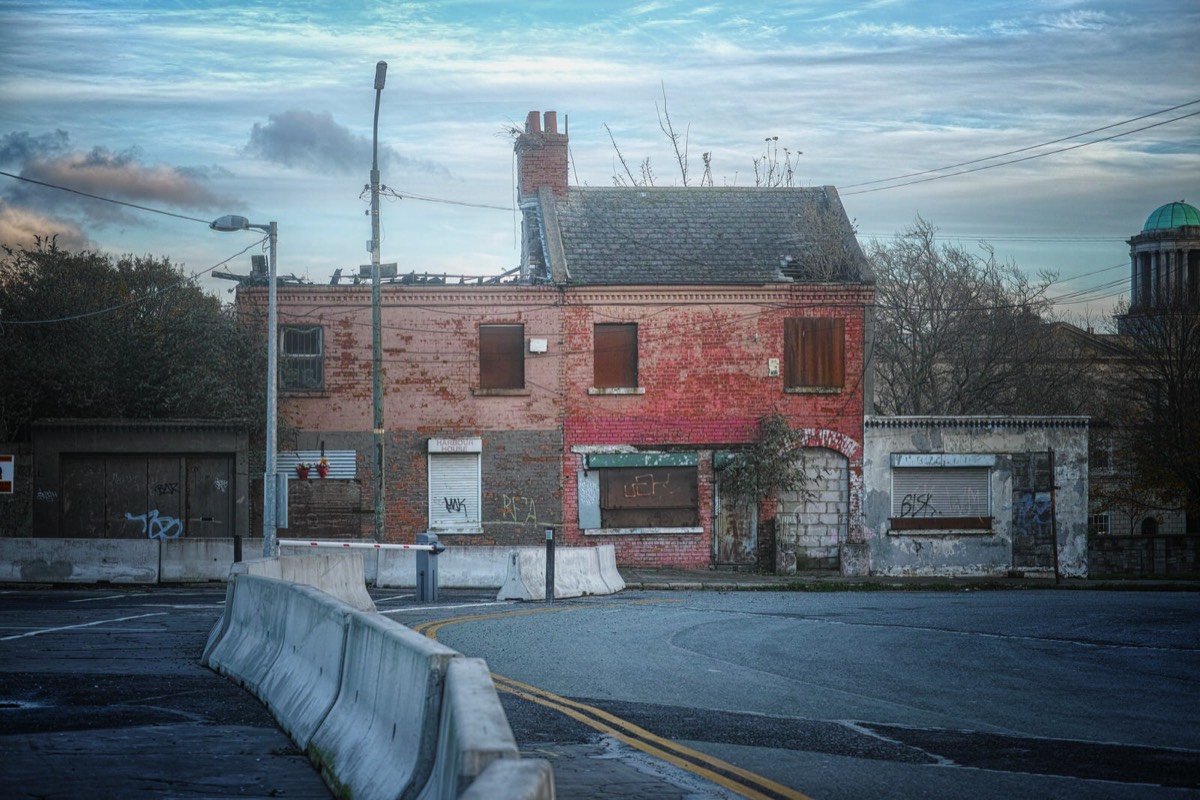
734, 778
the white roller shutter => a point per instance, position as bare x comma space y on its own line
921, 492
454, 492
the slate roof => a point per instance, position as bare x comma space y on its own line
717, 235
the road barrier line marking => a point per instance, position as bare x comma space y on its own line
656, 745
416, 609
718, 771
40, 631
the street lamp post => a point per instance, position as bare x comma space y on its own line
376, 335
235, 223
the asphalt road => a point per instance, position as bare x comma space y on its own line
663, 695
102, 696
1002, 694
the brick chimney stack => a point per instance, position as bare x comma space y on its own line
541, 156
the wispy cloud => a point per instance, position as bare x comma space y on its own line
123, 176
22, 147
23, 227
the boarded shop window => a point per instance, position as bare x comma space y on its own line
501, 356
952, 492
814, 353
649, 497
454, 486
302, 358
616, 356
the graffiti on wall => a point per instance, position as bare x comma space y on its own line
155, 526
516, 508
1032, 514
645, 485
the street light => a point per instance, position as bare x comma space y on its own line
376, 324
232, 222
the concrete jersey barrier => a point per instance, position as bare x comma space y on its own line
253, 633
283, 642
382, 711
379, 739
337, 574
473, 731
578, 571
527, 779
26, 560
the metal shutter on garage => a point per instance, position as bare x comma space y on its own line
922, 492
454, 489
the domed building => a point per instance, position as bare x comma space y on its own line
1165, 259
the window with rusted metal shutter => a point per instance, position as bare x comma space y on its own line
501, 356
616, 356
814, 352
301, 358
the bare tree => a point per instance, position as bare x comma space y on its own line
1155, 410
961, 333
769, 169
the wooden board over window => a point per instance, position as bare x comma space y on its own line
649, 497
501, 356
616, 356
814, 352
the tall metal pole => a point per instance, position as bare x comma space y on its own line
270, 548
376, 335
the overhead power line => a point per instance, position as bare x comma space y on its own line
104, 199
1025, 149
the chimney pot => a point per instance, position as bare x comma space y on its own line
533, 122
551, 122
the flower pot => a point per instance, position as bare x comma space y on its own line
302, 473
322, 470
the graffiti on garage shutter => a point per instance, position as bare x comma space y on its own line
157, 497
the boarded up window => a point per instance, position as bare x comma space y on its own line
814, 352
649, 497
616, 356
501, 356
301, 358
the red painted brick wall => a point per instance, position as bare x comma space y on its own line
703, 365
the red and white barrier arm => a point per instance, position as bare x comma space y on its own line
433, 548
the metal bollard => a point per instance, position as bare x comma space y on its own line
427, 571
549, 565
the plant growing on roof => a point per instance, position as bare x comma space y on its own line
774, 465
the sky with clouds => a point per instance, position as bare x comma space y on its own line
265, 110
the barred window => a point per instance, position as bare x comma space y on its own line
301, 358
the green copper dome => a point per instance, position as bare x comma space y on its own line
1172, 215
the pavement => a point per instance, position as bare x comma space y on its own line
720, 580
